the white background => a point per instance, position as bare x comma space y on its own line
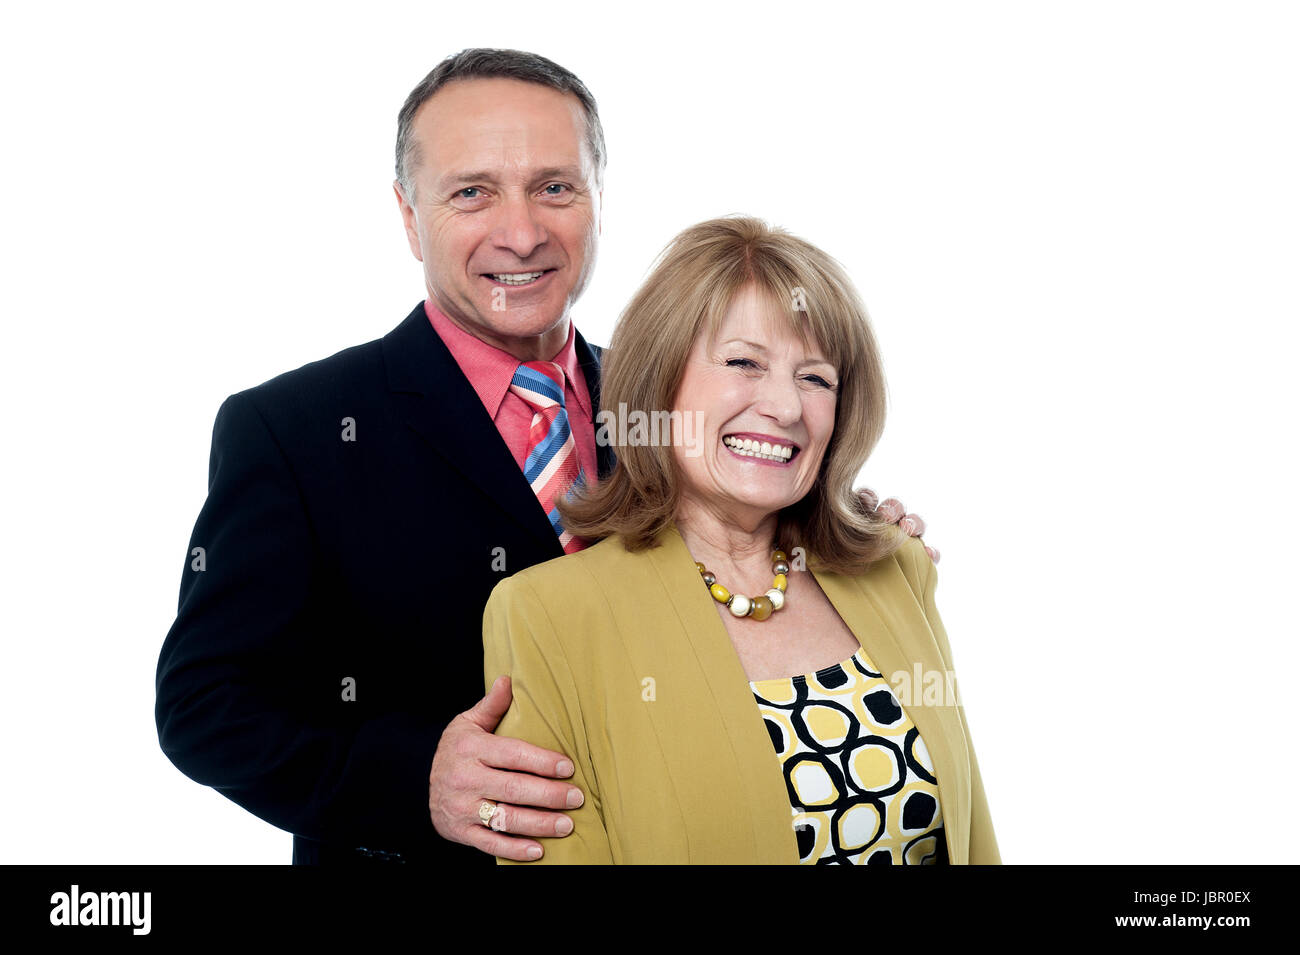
1075, 227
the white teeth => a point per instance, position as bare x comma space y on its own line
748, 447
516, 278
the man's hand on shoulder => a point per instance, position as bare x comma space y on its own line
472, 766
892, 510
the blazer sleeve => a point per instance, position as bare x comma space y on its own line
519, 640
231, 710
983, 843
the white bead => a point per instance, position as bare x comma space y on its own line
777, 598
739, 605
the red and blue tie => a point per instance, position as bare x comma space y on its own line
551, 464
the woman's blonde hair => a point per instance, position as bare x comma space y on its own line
692, 285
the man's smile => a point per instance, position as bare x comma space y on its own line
518, 279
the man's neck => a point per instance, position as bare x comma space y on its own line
542, 347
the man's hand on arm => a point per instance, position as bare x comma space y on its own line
892, 510
472, 765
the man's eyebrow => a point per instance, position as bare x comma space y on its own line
470, 178
458, 178
560, 172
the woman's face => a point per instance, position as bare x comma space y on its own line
755, 382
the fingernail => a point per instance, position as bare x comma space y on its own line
575, 798
564, 768
534, 852
564, 826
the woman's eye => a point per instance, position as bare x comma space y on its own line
741, 363
818, 380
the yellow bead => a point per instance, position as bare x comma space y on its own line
720, 593
779, 582
762, 608
779, 555
700, 567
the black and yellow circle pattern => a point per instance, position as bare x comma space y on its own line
861, 782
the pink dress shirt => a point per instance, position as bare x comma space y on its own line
490, 370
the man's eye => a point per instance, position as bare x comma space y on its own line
465, 193
556, 189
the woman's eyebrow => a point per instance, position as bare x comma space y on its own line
757, 347
744, 341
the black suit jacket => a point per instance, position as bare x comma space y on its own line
325, 561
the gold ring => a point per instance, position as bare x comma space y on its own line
486, 810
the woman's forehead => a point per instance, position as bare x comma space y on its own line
761, 317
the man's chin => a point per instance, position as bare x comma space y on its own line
525, 321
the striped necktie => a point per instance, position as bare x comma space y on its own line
551, 464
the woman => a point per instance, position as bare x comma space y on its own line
723, 667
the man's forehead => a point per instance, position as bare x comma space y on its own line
502, 125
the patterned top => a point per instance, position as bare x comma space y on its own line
861, 783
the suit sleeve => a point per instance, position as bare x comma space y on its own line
983, 843
232, 709
520, 641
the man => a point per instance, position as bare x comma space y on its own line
324, 667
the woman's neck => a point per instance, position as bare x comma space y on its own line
727, 543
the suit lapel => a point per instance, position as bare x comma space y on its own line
436, 400
589, 358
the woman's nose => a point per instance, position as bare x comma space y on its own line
779, 399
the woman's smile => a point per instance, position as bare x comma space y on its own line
761, 448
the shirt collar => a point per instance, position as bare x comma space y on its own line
490, 370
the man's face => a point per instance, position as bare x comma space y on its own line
506, 212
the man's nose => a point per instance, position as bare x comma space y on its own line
517, 228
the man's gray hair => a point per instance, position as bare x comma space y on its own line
481, 63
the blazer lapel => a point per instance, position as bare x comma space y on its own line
879, 609
880, 618
436, 400
759, 788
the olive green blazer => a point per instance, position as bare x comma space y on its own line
620, 661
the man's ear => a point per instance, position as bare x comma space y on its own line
408, 221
